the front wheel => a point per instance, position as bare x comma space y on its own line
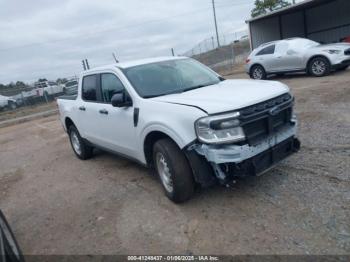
173, 170
258, 72
79, 146
319, 66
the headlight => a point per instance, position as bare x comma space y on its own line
219, 129
333, 51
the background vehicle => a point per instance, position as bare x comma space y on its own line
7, 102
71, 87
297, 55
180, 117
48, 88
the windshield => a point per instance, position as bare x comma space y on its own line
169, 77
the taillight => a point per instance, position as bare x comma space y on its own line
247, 61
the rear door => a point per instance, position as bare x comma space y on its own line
266, 57
287, 58
88, 108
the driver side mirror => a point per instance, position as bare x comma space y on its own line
121, 99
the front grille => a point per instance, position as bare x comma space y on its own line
347, 52
263, 119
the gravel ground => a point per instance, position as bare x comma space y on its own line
108, 205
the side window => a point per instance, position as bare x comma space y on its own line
110, 85
89, 91
267, 50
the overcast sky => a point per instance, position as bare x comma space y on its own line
44, 38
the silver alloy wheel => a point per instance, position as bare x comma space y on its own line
318, 67
258, 73
75, 142
164, 172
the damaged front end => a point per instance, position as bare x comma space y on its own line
267, 134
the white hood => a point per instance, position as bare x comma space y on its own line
227, 95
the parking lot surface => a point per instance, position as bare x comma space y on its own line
58, 204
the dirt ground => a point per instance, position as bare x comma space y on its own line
108, 205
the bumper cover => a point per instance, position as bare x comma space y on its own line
261, 163
230, 161
237, 154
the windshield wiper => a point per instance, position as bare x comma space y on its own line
165, 94
193, 87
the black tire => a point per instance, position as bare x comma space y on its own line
85, 151
181, 175
258, 72
319, 67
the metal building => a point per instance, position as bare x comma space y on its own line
324, 21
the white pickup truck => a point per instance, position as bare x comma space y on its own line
181, 118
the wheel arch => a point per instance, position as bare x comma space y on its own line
256, 64
68, 122
315, 56
150, 139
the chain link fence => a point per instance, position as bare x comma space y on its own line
234, 49
31, 94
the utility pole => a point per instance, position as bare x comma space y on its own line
172, 51
216, 23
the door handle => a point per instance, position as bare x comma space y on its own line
103, 111
82, 108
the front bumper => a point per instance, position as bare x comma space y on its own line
230, 161
262, 162
220, 154
342, 63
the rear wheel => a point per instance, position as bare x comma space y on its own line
319, 66
79, 146
258, 72
173, 170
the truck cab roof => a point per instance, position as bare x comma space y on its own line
128, 64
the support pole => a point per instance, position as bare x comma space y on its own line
216, 24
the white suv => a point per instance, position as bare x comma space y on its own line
297, 55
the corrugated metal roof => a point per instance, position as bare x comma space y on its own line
289, 9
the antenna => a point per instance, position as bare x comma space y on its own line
115, 58
84, 66
87, 64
